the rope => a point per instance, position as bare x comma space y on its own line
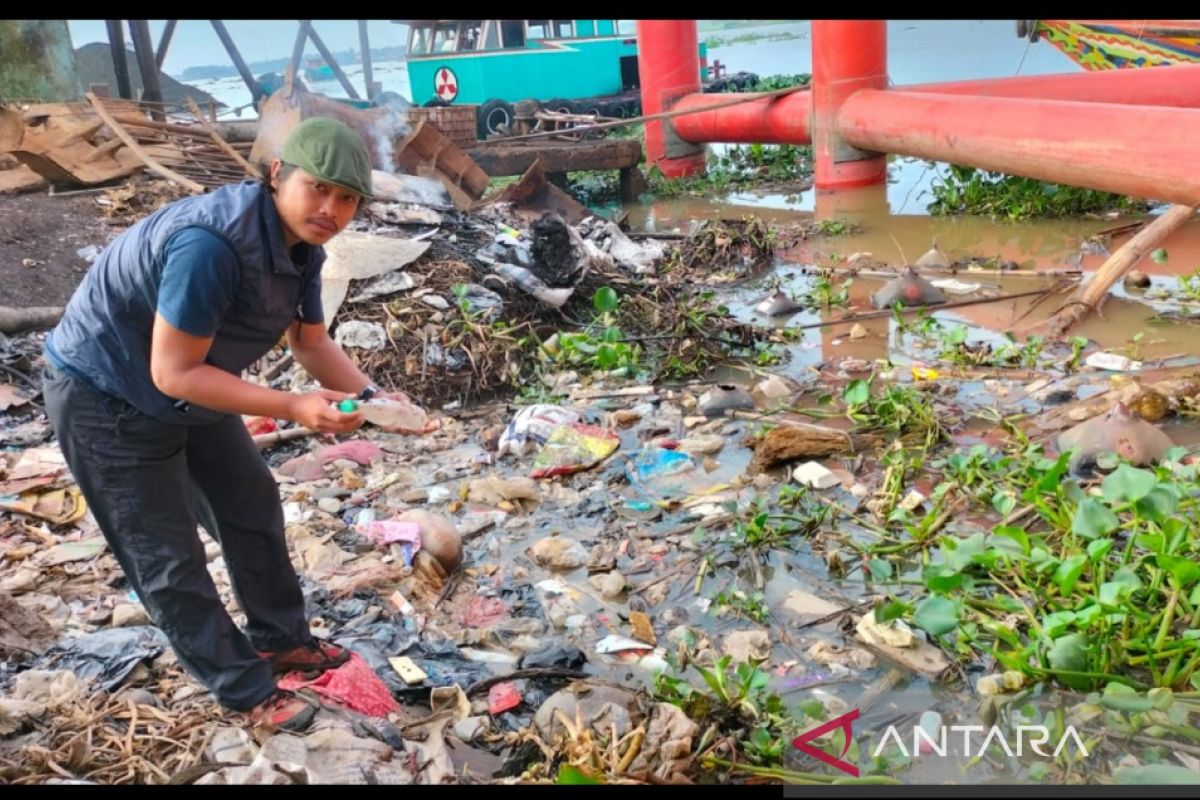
583, 129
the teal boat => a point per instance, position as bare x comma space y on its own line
582, 66
316, 71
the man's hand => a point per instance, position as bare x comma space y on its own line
315, 411
431, 424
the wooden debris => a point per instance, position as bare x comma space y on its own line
192, 155
15, 320
802, 440
67, 142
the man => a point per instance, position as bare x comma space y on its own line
142, 386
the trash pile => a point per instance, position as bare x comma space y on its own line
609, 564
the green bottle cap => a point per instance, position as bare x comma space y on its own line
348, 406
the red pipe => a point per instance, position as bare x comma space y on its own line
669, 69
1151, 153
1177, 86
788, 120
784, 120
847, 56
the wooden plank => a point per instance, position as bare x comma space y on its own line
136, 148
498, 160
221, 143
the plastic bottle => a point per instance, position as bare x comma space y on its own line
393, 414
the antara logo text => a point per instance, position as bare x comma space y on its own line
937, 743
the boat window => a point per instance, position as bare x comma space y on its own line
468, 35
512, 33
445, 38
563, 29
491, 34
539, 29
419, 43
626, 27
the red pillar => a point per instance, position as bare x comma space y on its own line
847, 55
669, 69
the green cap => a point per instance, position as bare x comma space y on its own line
330, 151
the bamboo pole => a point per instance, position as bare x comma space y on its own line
1087, 297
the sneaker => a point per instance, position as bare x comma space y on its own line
316, 656
284, 711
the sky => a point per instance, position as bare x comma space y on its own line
195, 43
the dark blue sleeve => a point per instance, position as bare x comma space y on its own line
199, 281
311, 310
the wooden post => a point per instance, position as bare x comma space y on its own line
247, 78
139, 31
332, 62
116, 44
163, 43
298, 47
1088, 297
365, 45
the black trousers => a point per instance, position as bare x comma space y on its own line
147, 483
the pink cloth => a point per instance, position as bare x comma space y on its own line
311, 467
353, 684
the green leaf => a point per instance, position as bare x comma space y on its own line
880, 569
570, 775
1159, 256
1184, 571
857, 392
1159, 505
1070, 653
940, 579
606, 357
605, 299
1153, 774
959, 553
1128, 484
890, 611
1154, 542
1056, 623
1093, 519
1018, 535
1099, 548
937, 615
1068, 572
1003, 502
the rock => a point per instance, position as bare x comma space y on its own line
1136, 279
330, 505
815, 475
691, 422
743, 646
439, 537
625, 417
557, 552
762, 482
912, 501
724, 397
701, 444
1119, 431
612, 585
141, 697
127, 615
857, 331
